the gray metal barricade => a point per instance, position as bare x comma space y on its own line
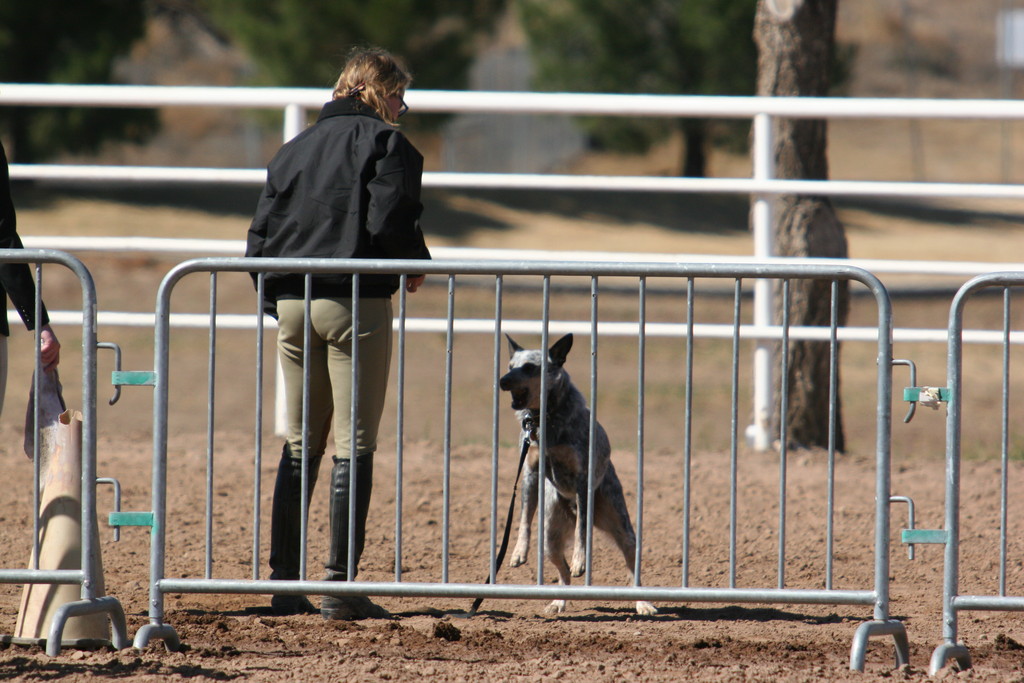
953, 601
90, 602
730, 278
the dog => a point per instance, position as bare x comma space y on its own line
567, 432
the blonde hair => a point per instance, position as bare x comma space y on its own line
372, 75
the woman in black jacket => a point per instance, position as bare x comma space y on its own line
347, 187
16, 283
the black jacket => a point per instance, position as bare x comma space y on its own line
15, 278
346, 187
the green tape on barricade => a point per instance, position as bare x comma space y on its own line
130, 519
914, 393
910, 536
138, 378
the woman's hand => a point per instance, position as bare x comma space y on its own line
413, 282
49, 348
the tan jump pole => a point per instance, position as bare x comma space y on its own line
60, 527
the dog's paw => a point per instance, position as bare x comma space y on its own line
645, 608
579, 563
556, 607
518, 558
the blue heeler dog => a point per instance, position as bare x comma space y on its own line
567, 432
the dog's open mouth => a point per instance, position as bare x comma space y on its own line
520, 397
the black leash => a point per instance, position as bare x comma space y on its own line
527, 429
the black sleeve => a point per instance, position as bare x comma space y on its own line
257, 235
15, 278
395, 208
256, 239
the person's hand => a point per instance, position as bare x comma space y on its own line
413, 282
49, 348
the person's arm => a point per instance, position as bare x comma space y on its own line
15, 278
394, 211
257, 234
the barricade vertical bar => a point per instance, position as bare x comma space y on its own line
88, 453
307, 333
641, 384
495, 432
156, 628
36, 384
542, 429
950, 648
211, 378
882, 624
449, 345
687, 433
591, 431
833, 391
783, 431
1005, 450
90, 531
353, 451
734, 429
883, 455
403, 280
258, 461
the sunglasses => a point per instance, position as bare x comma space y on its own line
404, 108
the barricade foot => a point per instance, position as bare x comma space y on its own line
869, 629
105, 605
164, 632
947, 651
118, 626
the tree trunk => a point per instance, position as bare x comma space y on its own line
19, 149
695, 161
795, 50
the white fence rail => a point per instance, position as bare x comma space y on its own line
214, 247
761, 187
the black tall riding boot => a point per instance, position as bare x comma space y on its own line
286, 528
349, 607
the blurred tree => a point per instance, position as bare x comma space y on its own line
56, 41
644, 46
305, 42
795, 40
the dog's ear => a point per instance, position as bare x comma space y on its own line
560, 350
512, 346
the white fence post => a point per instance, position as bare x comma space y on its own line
764, 169
294, 122
294, 118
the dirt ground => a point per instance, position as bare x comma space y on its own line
227, 637
234, 637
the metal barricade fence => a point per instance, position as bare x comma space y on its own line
91, 603
454, 580
1001, 599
